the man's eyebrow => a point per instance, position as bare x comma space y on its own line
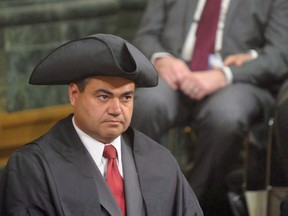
128, 92
105, 91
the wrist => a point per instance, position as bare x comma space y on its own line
159, 55
226, 71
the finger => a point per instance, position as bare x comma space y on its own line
229, 60
199, 96
193, 93
171, 82
239, 62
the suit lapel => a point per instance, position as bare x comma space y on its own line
71, 170
80, 185
189, 16
105, 196
141, 153
134, 200
232, 11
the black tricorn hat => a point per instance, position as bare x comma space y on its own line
95, 55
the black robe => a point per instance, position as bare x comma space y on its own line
53, 176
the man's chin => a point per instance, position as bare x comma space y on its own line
113, 134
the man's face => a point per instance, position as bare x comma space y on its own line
104, 108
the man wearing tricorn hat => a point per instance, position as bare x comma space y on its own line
92, 162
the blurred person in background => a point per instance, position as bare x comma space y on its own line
219, 62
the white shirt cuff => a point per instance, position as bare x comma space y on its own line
159, 55
253, 53
228, 74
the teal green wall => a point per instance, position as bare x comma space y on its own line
29, 30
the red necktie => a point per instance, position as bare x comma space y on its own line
113, 177
205, 35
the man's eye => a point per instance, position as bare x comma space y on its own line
127, 97
103, 97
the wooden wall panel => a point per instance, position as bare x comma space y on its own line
18, 128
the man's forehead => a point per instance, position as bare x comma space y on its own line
108, 83
112, 80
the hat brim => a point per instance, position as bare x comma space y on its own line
96, 55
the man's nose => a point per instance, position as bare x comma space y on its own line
115, 107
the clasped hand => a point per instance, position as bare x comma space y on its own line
198, 84
195, 85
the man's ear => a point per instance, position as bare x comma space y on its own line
73, 93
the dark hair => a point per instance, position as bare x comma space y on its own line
82, 84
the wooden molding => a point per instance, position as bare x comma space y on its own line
19, 128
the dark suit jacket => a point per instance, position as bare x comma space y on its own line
250, 24
55, 175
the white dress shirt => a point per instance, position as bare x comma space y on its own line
189, 44
96, 148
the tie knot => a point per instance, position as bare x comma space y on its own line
110, 152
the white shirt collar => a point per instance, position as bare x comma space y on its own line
96, 148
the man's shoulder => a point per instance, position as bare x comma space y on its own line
139, 138
149, 148
59, 129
